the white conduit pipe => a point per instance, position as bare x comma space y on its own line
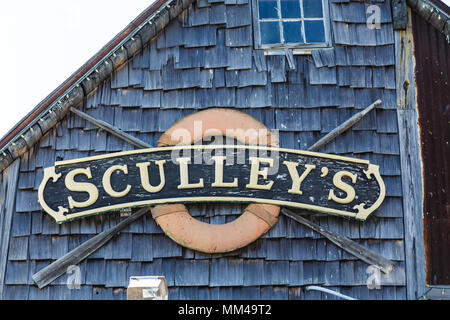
337, 294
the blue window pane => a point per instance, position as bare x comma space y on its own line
314, 31
292, 32
290, 9
312, 9
268, 9
270, 32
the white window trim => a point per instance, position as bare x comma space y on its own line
279, 49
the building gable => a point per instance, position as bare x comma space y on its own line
205, 58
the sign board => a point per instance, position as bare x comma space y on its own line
208, 173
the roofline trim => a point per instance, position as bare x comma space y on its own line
72, 92
82, 73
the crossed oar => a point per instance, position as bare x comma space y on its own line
74, 257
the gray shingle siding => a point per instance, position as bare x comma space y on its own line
206, 59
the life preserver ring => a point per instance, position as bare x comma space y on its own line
256, 220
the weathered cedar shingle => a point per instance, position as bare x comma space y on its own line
217, 14
18, 249
198, 17
115, 271
384, 55
96, 274
297, 230
191, 66
142, 248
279, 230
276, 66
274, 293
36, 223
16, 272
276, 272
302, 249
384, 35
341, 33
238, 16
165, 247
354, 12
119, 247
191, 58
60, 246
39, 294
152, 80
239, 37
102, 293
192, 273
278, 249
246, 293
332, 277
361, 35
256, 249
252, 77
21, 225
392, 207
226, 272
120, 78
202, 36
253, 270
15, 292
289, 118
40, 247
322, 75
239, 58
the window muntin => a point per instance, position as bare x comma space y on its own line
292, 23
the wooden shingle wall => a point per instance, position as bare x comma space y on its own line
203, 59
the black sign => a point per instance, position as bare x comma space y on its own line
248, 174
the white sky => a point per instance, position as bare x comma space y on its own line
48, 40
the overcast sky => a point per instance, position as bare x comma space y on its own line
45, 41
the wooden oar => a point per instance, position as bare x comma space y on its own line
59, 267
344, 243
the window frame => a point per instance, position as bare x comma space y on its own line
303, 47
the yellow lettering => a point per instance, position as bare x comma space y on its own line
219, 174
107, 182
255, 173
337, 181
296, 179
145, 181
90, 188
184, 175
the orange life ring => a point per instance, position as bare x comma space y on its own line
257, 219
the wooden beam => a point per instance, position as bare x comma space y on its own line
343, 127
344, 243
399, 14
411, 162
74, 257
111, 129
7, 209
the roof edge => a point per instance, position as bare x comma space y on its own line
434, 12
86, 79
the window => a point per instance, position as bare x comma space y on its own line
292, 23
